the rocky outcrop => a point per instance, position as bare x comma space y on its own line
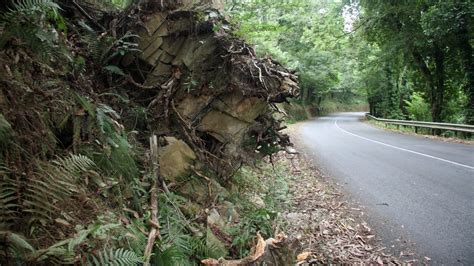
210, 85
175, 159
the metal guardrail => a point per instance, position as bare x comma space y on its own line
432, 125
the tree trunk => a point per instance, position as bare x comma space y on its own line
434, 82
307, 101
468, 64
438, 90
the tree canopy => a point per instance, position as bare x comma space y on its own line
409, 59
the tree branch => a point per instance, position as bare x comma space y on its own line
155, 231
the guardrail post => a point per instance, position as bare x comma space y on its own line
416, 129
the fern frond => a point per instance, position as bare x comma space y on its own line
8, 201
53, 182
14, 245
29, 6
27, 20
75, 164
53, 255
113, 256
5, 130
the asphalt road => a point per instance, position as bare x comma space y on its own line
415, 189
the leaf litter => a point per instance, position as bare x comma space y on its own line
328, 228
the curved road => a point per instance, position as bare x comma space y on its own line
416, 190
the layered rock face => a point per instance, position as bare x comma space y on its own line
211, 84
213, 102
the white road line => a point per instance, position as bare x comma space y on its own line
402, 149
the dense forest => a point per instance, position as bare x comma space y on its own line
407, 59
145, 132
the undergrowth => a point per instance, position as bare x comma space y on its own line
261, 192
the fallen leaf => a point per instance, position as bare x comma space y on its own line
379, 260
303, 256
62, 221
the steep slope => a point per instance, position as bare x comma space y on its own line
82, 91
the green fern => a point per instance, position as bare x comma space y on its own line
5, 131
74, 164
119, 159
30, 6
177, 246
114, 257
15, 248
21, 9
9, 206
27, 20
103, 49
52, 183
13, 245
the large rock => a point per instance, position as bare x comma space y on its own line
151, 49
241, 107
172, 45
223, 127
175, 159
223, 92
214, 218
191, 105
196, 51
158, 75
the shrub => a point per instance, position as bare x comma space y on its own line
418, 108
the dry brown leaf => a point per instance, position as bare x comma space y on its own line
303, 256
210, 262
259, 251
259, 248
379, 260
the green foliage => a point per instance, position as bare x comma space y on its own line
455, 111
114, 256
53, 182
30, 8
428, 50
105, 49
28, 21
114, 4
14, 245
114, 70
9, 201
418, 108
20, 250
384, 50
308, 36
259, 220
174, 246
5, 131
